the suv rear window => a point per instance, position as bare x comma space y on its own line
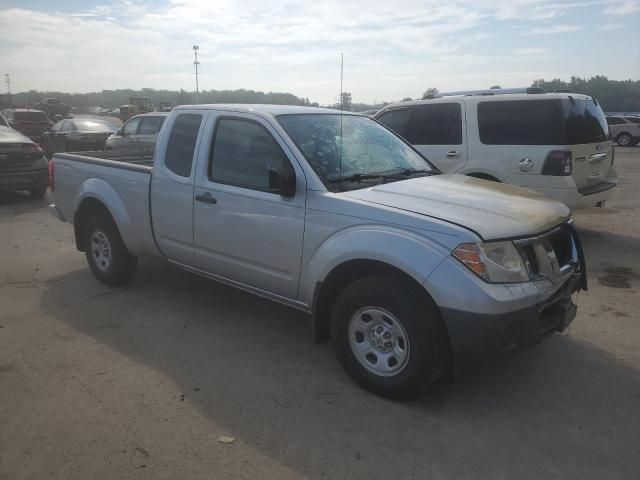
584, 122
541, 122
30, 117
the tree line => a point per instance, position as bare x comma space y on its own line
613, 95
115, 98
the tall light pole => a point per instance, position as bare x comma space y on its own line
196, 50
7, 80
341, 76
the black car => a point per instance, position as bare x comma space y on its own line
77, 135
22, 163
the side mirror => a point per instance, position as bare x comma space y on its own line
282, 184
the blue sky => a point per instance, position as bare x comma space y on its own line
393, 48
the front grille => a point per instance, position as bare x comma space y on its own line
562, 244
549, 255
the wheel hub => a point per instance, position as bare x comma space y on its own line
101, 250
378, 341
381, 338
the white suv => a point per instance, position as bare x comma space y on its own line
554, 143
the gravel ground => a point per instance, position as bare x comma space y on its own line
141, 382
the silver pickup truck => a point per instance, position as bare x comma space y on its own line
410, 273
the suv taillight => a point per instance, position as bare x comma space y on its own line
52, 175
558, 162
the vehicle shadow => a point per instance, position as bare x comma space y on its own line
565, 409
16, 203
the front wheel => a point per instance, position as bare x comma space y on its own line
624, 140
108, 257
389, 336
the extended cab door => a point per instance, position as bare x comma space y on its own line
172, 185
243, 232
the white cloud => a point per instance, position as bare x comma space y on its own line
607, 27
532, 51
553, 29
627, 7
393, 48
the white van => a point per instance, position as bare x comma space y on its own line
554, 143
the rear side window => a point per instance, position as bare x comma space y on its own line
150, 125
435, 124
521, 122
396, 120
3, 122
634, 119
182, 143
243, 151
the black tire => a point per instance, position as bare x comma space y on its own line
38, 192
428, 344
122, 265
624, 140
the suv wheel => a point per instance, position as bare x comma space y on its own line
624, 139
388, 337
108, 258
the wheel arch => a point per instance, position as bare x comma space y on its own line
87, 207
342, 275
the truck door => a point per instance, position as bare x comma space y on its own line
243, 232
172, 186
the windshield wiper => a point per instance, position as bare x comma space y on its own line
356, 177
412, 171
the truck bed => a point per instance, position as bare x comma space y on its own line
112, 158
118, 179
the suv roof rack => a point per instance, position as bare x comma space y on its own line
492, 91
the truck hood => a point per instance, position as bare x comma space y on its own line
493, 210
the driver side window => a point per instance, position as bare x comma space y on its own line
131, 126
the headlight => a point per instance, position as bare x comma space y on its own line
495, 262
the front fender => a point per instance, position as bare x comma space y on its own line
411, 253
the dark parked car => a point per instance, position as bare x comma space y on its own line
30, 122
77, 135
22, 163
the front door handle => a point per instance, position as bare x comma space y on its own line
206, 197
453, 154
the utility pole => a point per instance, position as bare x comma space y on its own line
7, 80
196, 50
341, 76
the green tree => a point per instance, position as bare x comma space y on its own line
430, 92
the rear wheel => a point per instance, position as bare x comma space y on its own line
38, 192
624, 140
108, 257
389, 336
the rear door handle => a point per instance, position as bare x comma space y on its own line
206, 198
453, 154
